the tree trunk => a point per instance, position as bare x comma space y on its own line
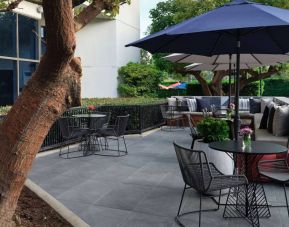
54, 86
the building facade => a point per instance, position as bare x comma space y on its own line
100, 46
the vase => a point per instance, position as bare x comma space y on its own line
246, 140
229, 116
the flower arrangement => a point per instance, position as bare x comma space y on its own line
246, 133
90, 109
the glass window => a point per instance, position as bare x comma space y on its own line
8, 82
25, 72
43, 40
28, 37
8, 34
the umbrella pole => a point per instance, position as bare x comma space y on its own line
237, 81
230, 78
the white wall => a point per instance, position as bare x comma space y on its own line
101, 48
29, 9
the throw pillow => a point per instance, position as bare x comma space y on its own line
280, 121
264, 102
255, 106
244, 104
172, 101
182, 104
192, 105
271, 118
203, 104
264, 120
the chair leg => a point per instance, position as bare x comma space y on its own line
124, 144
118, 146
181, 202
200, 210
219, 200
284, 186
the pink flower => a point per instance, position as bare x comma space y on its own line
232, 106
246, 131
91, 107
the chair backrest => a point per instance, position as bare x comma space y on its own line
194, 167
121, 124
194, 132
168, 111
64, 127
99, 122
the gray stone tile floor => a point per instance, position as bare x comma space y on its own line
142, 189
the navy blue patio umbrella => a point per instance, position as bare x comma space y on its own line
239, 27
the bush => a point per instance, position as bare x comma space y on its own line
4, 110
121, 101
276, 87
139, 80
213, 129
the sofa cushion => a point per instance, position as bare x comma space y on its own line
271, 118
264, 135
203, 104
255, 105
182, 104
264, 119
192, 105
244, 104
280, 121
264, 102
172, 101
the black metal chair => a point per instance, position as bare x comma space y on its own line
173, 118
204, 177
194, 133
277, 170
115, 132
71, 132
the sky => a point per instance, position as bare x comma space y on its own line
145, 6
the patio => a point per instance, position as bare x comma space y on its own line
140, 189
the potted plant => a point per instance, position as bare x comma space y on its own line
212, 130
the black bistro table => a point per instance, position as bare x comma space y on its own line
250, 202
90, 145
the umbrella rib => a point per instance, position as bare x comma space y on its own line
253, 55
186, 55
276, 43
214, 62
172, 40
215, 44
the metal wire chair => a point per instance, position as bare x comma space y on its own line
277, 170
115, 132
173, 118
204, 177
71, 132
194, 134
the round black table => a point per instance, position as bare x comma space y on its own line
250, 203
91, 144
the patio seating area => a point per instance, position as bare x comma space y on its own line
142, 188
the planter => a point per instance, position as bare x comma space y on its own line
220, 159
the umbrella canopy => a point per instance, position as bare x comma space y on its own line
251, 59
216, 67
260, 28
239, 27
181, 86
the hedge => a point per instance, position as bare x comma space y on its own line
276, 87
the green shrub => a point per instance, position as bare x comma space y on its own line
276, 87
139, 80
213, 129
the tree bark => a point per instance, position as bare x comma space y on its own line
53, 87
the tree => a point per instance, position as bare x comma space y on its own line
172, 12
54, 87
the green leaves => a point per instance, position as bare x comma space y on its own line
139, 80
213, 129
